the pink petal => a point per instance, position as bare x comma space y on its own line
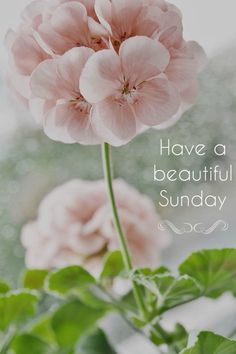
89, 4
159, 3
67, 124
171, 29
56, 42
96, 29
56, 123
125, 14
148, 21
113, 122
33, 12
103, 10
101, 76
158, 101
70, 20
26, 54
142, 59
81, 130
70, 67
199, 55
39, 107
44, 81
181, 71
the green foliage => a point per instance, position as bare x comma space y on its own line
178, 337
4, 287
42, 328
210, 343
71, 327
72, 320
113, 266
169, 291
214, 270
29, 344
95, 342
74, 281
34, 279
16, 308
69, 281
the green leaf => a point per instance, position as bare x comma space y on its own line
69, 281
178, 337
168, 290
4, 287
113, 266
214, 270
210, 343
29, 344
95, 343
17, 307
72, 320
42, 328
75, 281
34, 278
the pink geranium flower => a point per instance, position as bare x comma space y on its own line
125, 19
57, 100
129, 90
145, 77
75, 226
160, 21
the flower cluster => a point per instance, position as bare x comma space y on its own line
94, 71
74, 226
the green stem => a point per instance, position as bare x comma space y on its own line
9, 338
122, 240
161, 332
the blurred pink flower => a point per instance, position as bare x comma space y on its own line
128, 93
75, 226
56, 99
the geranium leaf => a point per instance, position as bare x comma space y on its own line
168, 290
16, 307
214, 270
69, 280
95, 343
72, 320
113, 266
74, 281
210, 343
4, 287
34, 278
28, 344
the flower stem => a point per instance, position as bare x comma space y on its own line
122, 240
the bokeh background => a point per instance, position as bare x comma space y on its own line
31, 164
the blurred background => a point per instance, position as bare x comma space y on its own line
31, 164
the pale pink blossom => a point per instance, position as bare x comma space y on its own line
27, 45
129, 89
69, 24
143, 74
74, 226
25, 53
160, 21
56, 99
